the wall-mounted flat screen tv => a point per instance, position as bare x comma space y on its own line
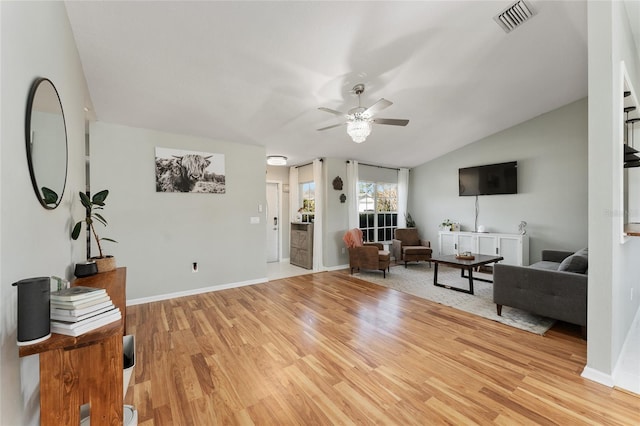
490, 179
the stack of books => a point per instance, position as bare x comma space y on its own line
77, 310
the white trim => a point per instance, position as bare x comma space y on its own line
597, 376
626, 373
336, 268
167, 296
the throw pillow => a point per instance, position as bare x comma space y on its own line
574, 263
583, 252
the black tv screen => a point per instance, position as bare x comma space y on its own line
489, 180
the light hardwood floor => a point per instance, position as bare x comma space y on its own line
328, 348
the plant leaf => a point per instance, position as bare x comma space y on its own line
76, 230
49, 195
86, 202
108, 239
99, 197
101, 219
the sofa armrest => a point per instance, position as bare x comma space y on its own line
555, 294
425, 243
555, 255
380, 246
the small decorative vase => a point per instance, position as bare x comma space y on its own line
105, 264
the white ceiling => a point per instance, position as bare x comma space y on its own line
256, 72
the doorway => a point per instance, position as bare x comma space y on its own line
273, 222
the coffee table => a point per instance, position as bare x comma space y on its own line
464, 265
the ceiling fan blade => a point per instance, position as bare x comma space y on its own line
332, 126
378, 106
391, 121
333, 111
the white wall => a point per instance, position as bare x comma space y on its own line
613, 264
161, 234
551, 151
336, 218
36, 41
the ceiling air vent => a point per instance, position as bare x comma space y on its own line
514, 16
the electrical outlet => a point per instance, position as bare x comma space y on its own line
194, 267
343, 251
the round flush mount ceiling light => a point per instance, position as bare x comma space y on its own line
277, 160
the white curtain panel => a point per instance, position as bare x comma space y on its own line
352, 194
318, 178
293, 194
403, 196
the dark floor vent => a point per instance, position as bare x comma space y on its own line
514, 16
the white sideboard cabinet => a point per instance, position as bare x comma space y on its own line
513, 247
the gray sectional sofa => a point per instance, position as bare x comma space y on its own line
555, 287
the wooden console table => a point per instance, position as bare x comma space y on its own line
86, 369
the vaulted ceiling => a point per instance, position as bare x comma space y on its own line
256, 72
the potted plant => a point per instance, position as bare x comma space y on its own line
446, 225
104, 263
409, 220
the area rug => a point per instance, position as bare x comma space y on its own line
417, 279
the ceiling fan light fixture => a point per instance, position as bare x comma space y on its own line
359, 130
276, 160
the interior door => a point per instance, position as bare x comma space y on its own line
273, 222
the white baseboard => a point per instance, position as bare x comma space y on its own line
160, 297
336, 268
626, 372
597, 376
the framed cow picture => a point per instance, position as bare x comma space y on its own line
178, 170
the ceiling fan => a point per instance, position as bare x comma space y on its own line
360, 119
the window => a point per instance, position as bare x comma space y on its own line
308, 194
378, 208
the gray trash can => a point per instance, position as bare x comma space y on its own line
129, 361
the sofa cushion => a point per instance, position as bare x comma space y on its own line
545, 264
408, 236
416, 250
575, 263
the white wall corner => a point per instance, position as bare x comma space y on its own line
626, 373
597, 376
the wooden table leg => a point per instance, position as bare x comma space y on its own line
90, 374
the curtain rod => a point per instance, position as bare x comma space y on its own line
372, 165
308, 164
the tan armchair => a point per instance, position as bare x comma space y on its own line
408, 247
366, 255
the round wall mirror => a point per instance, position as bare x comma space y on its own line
46, 136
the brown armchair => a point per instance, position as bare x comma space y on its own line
408, 247
366, 255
